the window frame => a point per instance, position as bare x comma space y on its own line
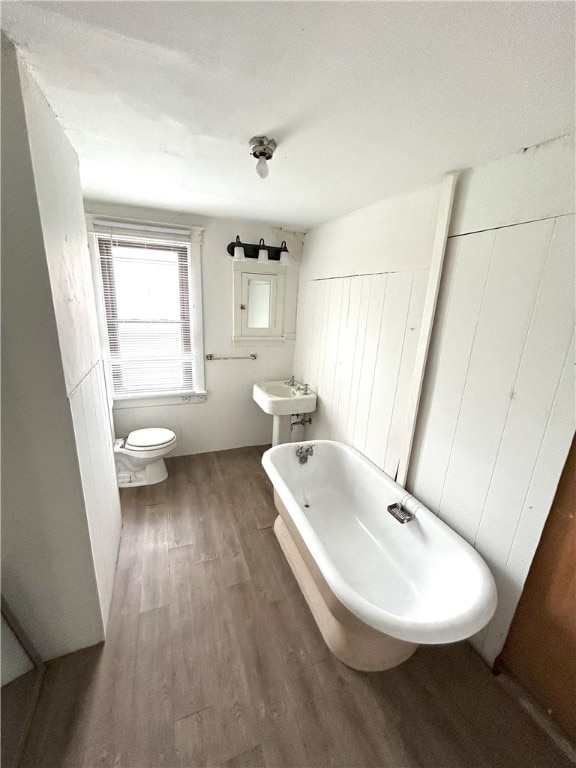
138, 232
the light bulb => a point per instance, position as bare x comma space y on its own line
262, 167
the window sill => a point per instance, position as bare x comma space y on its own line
135, 401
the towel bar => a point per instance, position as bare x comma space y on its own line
252, 356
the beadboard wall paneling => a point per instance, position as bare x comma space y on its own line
497, 397
94, 441
357, 343
48, 573
66, 246
364, 287
535, 508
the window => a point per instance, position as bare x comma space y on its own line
151, 296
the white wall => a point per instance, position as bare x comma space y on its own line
64, 232
389, 236
57, 563
229, 418
535, 183
497, 415
47, 570
364, 281
61, 210
92, 429
15, 660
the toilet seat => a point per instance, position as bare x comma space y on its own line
150, 439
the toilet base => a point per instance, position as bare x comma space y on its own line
152, 473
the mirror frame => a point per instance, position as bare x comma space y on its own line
250, 267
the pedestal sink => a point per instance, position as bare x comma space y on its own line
281, 400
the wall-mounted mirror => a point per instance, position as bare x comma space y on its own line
259, 297
258, 300
258, 307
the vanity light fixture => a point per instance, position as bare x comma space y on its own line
241, 251
262, 148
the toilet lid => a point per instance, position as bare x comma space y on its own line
155, 437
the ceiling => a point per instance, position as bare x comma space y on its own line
366, 100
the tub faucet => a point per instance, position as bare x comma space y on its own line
399, 513
304, 452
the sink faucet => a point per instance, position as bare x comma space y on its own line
304, 452
291, 381
305, 389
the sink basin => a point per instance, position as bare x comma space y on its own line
277, 389
280, 399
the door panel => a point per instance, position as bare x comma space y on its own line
540, 650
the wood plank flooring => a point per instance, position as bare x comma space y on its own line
213, 659
18, 702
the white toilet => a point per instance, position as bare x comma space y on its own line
139, 458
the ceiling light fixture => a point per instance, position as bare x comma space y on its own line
262, 148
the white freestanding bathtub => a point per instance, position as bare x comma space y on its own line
376, 587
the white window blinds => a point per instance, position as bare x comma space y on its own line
154, 343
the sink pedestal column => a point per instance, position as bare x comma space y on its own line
281, 429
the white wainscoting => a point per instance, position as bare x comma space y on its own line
357, 340
497, 415
94, 442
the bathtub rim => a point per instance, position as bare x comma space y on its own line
457, 627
